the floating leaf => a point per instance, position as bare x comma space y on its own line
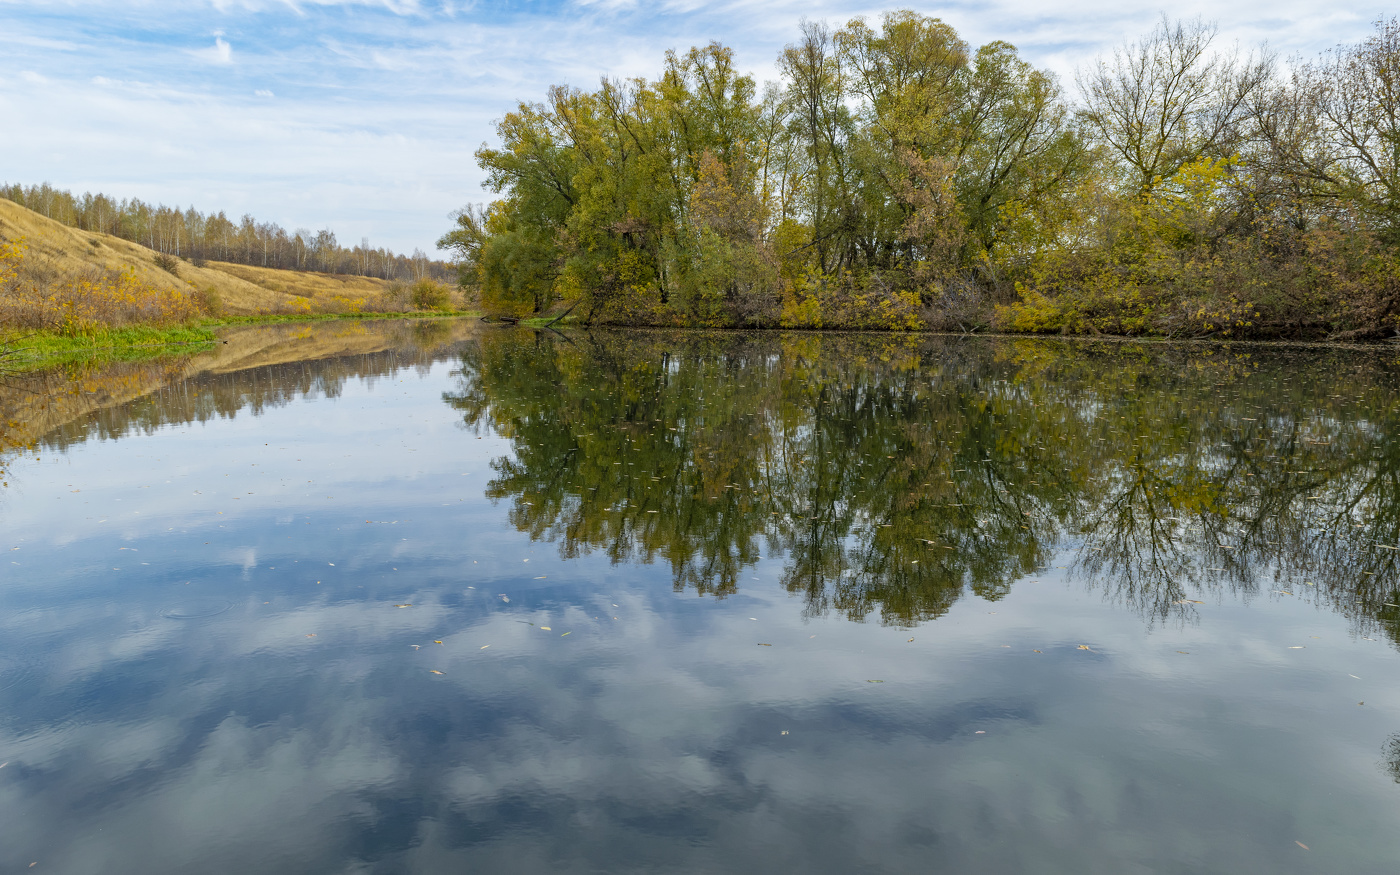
435, 641
434, 671
566, 633
397, 606
1301, 845
761, 644
1083, 647
484, 646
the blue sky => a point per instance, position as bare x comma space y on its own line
362, 115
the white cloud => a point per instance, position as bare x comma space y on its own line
263, 92
219, 53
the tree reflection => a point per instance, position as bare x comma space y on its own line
895, 474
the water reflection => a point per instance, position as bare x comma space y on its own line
896, 475
250, 369
205, 665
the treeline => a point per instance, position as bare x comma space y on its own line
898, 178
193, 235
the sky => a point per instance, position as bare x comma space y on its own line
362, 115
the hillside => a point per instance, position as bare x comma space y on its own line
56, 251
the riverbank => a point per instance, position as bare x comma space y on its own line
34, 350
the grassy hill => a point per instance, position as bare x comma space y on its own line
57, 253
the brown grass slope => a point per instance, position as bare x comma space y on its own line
57, 251
308, 284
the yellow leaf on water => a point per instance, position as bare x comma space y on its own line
1083, 647
566, 633
434, 671
404, 606
435, 641
484, 646
546, 628
1301, 845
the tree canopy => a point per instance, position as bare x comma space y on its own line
898, 177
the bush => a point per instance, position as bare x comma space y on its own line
168, 263
88, 304
210, 301
429, 295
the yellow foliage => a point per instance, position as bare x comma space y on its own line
846, 300
1033, 314
85, 305
801, 309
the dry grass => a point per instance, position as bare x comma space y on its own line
325, 292
58, 254
57, 251
86, 304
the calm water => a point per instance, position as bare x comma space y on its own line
381, 599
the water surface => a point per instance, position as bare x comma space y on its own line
440, 598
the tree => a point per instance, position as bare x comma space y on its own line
1167, 100
1353, 93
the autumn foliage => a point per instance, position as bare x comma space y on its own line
896, 177
87, 305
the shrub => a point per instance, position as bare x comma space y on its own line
168, 263
429, 295
86, 305
210, 301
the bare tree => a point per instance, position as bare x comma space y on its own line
1167, 100
1354, 93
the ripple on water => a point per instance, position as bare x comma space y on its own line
16, 671
196, 608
